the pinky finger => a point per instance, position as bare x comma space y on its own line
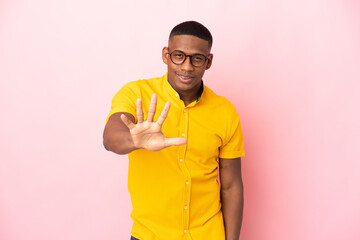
127, 121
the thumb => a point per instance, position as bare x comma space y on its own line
175, 141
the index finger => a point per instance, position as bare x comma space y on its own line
163, 114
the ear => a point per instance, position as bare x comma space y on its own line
165, 55
209, 62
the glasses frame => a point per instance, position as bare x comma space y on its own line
186, 56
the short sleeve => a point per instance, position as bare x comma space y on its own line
125, 100
233, 143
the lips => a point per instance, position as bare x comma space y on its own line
184, 77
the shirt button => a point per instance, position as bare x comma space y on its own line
176, 95
187, 182
185, 207
183, 134
185, 231
184, 110
181, 160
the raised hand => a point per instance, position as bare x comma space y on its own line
147, 134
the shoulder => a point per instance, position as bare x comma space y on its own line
217, 101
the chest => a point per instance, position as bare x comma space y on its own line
203, 131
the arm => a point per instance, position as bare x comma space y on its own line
232, 199
122, 135
117, 137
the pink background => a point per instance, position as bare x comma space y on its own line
290, 67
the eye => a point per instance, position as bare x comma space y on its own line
198, 58
178, 55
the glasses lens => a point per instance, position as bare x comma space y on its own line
198, 60
177, 57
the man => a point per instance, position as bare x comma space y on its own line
174, 153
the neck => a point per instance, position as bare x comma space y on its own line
191, 96
187, 100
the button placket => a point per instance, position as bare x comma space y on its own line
184, 120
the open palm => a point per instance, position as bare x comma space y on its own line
147, 134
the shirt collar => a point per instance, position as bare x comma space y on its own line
175, 96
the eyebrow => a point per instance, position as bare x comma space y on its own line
190, 54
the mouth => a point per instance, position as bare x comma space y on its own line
184, 77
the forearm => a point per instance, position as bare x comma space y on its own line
117, 137
119, 142
232, 201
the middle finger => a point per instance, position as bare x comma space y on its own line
152, 108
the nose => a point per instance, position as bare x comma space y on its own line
186, 65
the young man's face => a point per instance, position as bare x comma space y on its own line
186, 78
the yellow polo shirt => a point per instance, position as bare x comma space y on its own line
174, 192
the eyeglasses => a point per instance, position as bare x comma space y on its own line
179, 57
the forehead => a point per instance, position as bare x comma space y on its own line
189, 44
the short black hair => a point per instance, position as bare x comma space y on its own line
192, 28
